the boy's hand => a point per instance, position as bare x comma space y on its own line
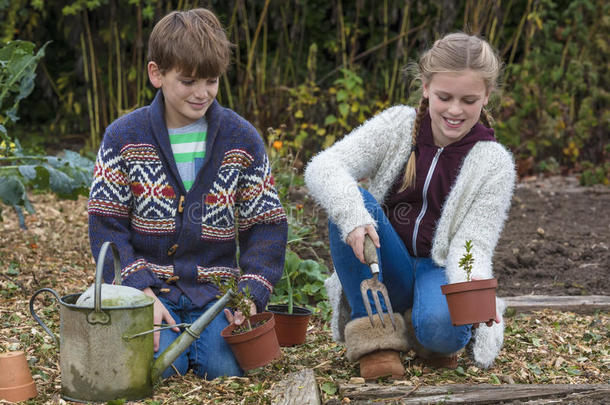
356, 240
238, 318
160, 314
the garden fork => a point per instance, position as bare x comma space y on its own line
374, 285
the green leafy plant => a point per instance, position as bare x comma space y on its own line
467, 260
592, 175
318, 79
302, 283
240, 299
556, 85
17, 73
68, 176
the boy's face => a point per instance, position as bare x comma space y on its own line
187, 98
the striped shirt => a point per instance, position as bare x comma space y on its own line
188, 145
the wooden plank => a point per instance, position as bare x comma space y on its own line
297, 388
580, 304
471, 394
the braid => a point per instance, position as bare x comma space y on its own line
409, 177
486, 118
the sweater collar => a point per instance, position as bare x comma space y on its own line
157, 117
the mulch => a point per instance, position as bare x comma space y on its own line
548, 347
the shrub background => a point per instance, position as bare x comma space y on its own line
314, 69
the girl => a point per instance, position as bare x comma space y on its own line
437, 177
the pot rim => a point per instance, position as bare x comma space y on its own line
227, 332
470, 285
283, 310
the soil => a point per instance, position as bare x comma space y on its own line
555, 242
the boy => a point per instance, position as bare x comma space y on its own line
175, 181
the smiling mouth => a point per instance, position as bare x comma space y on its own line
453, 122
198, 105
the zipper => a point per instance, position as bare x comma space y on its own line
425, 200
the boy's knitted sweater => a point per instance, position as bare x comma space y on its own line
475, 208
174, 241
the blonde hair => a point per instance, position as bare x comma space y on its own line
453, 53
192, 41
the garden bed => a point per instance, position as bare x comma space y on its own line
542, 347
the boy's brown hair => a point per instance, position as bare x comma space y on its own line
193, 41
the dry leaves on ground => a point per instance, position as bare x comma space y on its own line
542, 347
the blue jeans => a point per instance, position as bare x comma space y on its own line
209, 356
412, 283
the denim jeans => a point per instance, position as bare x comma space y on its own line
412, 283
209, 356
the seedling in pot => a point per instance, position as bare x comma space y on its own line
472, 301
254, 343
467, 260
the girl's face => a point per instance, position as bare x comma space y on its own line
456, 101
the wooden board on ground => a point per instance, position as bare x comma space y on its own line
474, 394
580, 304
297, 388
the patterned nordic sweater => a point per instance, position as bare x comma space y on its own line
174, 241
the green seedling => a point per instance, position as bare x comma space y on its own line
240, 300
467, 260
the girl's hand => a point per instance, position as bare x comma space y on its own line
238, 318
490, 322
160, 314
356, 240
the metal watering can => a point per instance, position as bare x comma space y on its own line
106, 349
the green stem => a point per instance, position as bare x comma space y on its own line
252, 47
519, 32
119, 84
404, 28
89, 100
290, 294
12, 158
342, 35
95, 96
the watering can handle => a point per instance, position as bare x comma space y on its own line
98, 316
36, 318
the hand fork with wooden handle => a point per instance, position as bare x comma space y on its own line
374, 285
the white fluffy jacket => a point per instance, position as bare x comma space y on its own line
475, 209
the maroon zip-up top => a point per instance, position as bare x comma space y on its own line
414, 212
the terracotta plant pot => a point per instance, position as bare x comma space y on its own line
290, 328
471, 301
16, 383
257, 347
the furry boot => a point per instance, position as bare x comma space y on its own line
377, 348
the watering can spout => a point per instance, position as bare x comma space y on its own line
187, 337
